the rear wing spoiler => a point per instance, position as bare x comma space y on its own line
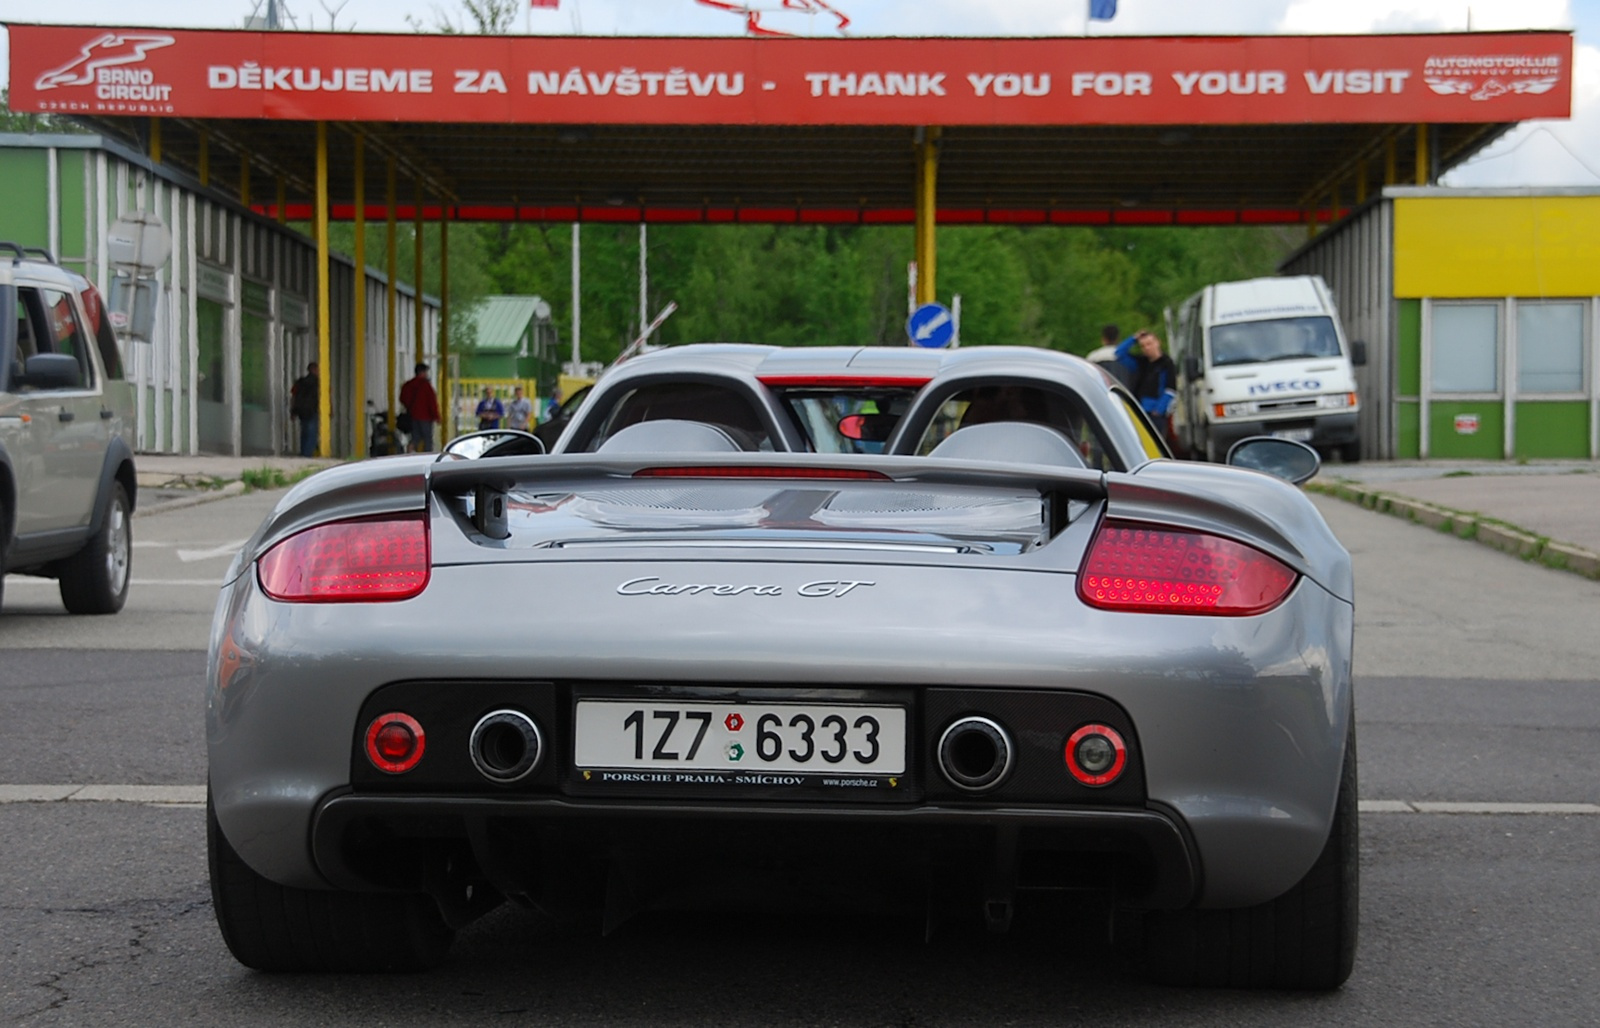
487, 478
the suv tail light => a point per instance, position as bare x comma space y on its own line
373, 559
1155, 570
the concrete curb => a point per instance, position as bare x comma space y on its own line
202, 496
1488, 531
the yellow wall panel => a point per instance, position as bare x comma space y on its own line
1469, 246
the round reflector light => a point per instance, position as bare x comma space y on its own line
395, 742
1096, 755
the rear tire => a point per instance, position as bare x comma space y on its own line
273, 927
1304, 939
95, 579
1350, 453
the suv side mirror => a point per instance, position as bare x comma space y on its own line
1358, 353
1191, 366
51, 371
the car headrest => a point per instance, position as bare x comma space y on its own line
1012, 442
670, 435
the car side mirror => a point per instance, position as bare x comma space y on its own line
867, 428
494, 442
51, 371
1191, 366
1292, 461
1358, 353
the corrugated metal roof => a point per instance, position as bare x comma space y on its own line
502, 321
1075, 174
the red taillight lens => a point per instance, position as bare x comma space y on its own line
1155, 570
349, 561
750, 471
1096, 755
395, 742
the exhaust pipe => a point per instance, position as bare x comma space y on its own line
506, 746
975, 754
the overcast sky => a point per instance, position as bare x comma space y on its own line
1551, 153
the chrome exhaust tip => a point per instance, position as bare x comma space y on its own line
506, 746
975, 754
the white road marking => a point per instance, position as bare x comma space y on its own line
225, 550
162, 795
195, 795
30, 580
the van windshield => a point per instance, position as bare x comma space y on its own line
1255, 342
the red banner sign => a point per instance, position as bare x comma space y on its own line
1476, 77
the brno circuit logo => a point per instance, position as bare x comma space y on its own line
109, 50
1486, 76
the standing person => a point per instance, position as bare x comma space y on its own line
519, 412
1154, 377
552, 406
490, 410
305, 403
422, 403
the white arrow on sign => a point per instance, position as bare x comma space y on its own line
938, 321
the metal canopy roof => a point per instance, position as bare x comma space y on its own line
1107, 130
1067, 174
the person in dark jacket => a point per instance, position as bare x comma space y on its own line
422, 403
305, 400
1154, 377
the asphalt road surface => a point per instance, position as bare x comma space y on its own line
1478, 681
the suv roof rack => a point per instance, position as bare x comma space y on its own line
21, 252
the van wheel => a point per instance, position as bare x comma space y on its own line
1350, 453
1304, 939
273, 927
95, 579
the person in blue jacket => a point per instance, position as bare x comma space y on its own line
1154, 376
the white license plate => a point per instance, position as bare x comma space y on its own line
815, 737
1299, 435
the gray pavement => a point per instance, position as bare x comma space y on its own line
1548, 511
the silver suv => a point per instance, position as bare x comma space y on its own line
66, 435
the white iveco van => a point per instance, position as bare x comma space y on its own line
1264, 357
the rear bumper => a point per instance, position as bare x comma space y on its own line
1240, 722
1326, 429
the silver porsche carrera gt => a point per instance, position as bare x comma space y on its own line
955, 614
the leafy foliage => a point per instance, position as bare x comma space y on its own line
831, 285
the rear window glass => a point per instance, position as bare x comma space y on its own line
872, 413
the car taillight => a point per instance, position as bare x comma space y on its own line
373, 559
1156, 570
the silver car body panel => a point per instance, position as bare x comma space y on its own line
1241, 721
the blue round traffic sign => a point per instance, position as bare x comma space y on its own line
931, 325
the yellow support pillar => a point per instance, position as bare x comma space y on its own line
1422, 155
155, 140
417, 320
444, 319
391, 269
927, 214
358, 372
324, 317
